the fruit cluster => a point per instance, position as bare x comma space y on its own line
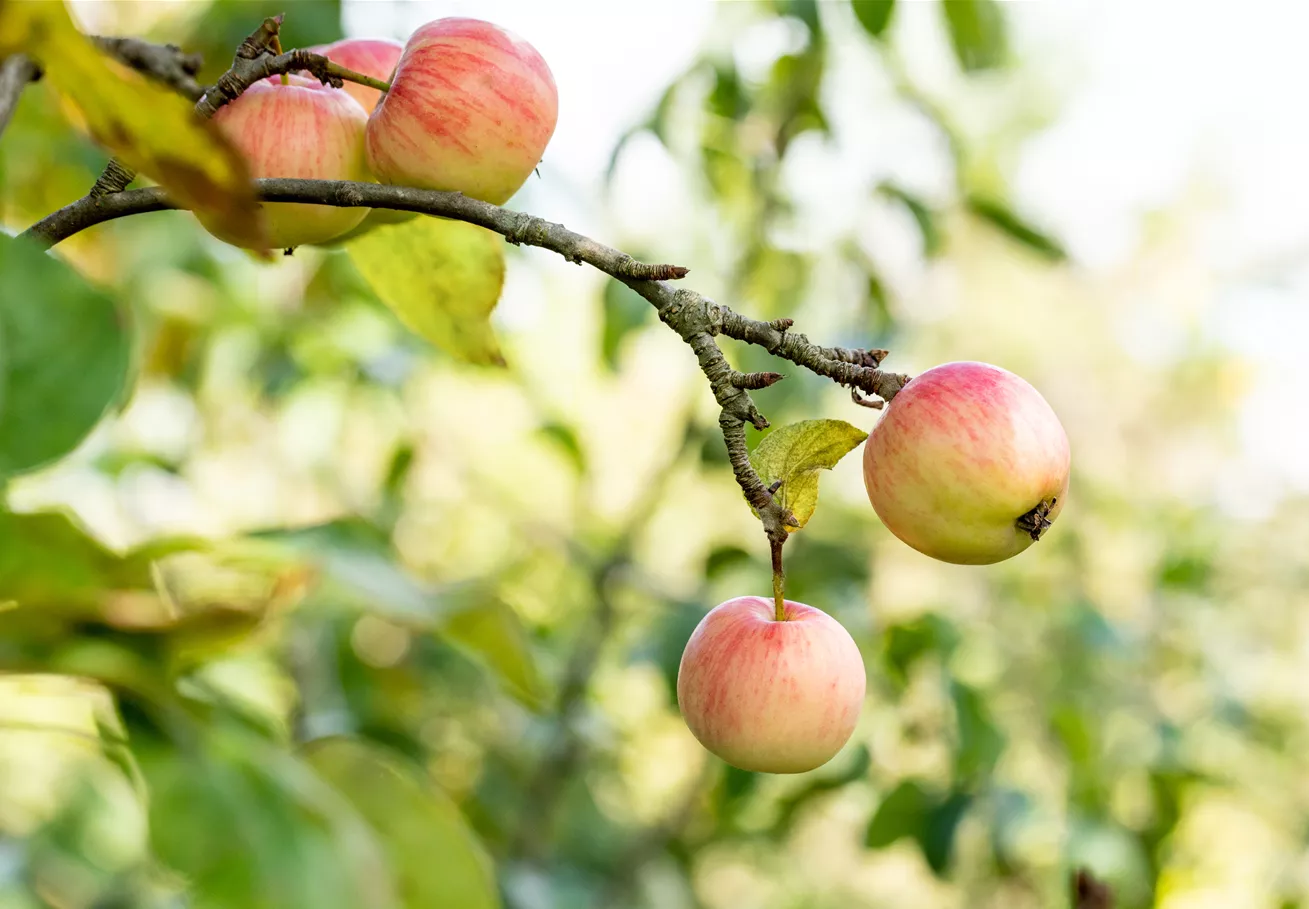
471, 109
968, 464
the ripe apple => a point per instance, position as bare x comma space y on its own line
770, 696
968, 464
374, 57
298, 130
471, 109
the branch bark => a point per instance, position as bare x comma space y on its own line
696, 319
167, 64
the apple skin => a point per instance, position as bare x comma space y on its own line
770, 696
298, 130
959, 455
471, 110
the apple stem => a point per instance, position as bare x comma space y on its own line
277, 49
779, 601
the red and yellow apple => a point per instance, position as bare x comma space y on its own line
471, 110
298, 130
968, 464
374, 57
768, 695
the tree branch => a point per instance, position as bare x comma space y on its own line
695, 318
167, 64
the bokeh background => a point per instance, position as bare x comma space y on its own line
484, 578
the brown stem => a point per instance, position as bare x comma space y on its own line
779, 598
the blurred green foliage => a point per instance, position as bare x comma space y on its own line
323, 618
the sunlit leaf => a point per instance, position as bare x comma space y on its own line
150, 128
977, 33
873, 15
1000, 215
435, 858
794, 454
441, 278
490, 632
64, 356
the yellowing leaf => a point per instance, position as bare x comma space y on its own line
794, 454
148, 127
435, 858
441, 278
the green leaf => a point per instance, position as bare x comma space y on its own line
251, 827
941, 823
46, 560
873, 15
929, 818
489, 632
906, 644
441, 278
794, 454
1000, 215
64, 357
980, 742
977, 32
921, 212
625, 311
566, 440
435, 858
902, 813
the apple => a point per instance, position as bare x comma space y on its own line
767, 695
471, 109
968, 464
374, 57
299, 130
